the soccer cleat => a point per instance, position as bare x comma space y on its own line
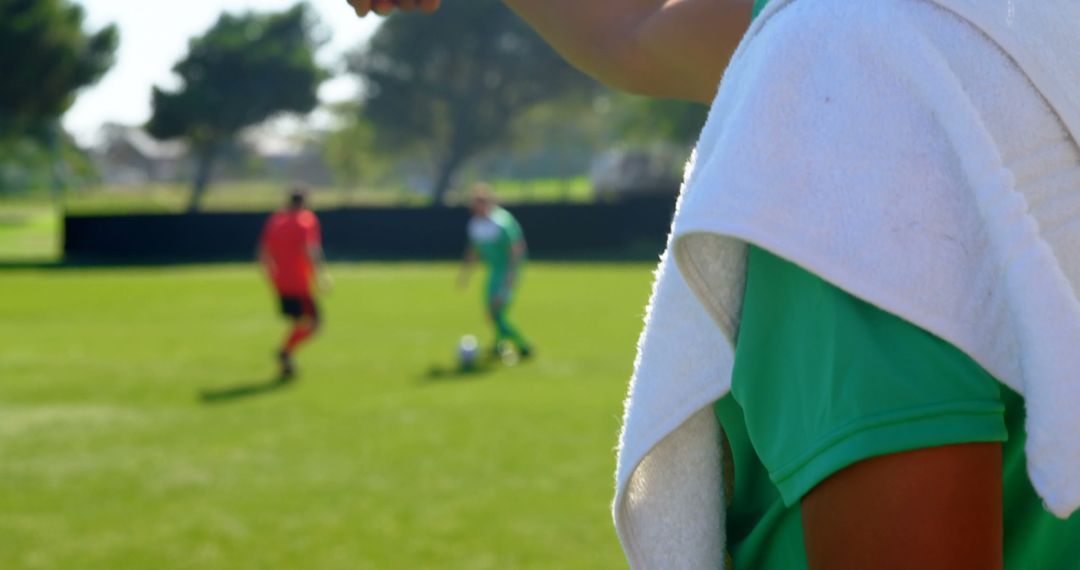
288, 369
526, 352
507, 354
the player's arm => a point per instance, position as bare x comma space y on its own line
363, 7
318, 260
518, 249
313, 248
934, 508
468, 261
262, 254
662, 48
265, 261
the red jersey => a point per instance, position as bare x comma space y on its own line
286, 238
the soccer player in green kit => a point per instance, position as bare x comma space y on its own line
830, 470
496, 239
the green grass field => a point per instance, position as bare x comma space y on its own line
110, 458
29, 233
265, 196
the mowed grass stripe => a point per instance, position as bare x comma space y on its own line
109, 459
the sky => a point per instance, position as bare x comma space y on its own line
154, 36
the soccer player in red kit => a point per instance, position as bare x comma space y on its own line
290, 251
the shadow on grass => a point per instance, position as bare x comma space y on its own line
242, 391
483, 367
439, 373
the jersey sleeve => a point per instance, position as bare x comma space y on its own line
826, 380
512, 229
313, 232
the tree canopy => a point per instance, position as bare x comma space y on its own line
351, 150
641, 118
246, 69
454, 81
46, 56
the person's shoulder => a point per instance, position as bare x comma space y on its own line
503, 216
276, 219
509, 222
307, 217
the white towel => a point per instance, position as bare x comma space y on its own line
895, 150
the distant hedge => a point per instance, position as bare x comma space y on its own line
634, 228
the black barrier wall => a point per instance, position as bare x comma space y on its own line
628, 229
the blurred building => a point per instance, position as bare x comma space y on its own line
129, 156
625, 173
287, 158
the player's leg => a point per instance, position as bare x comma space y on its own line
513, 332
305, 325
508, 331
492, 305
304, 314
497, 323
292, 310
499, 308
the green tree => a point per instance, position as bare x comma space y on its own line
46, 56
246, 69
351, 150
27, 164
641, 118
455, 81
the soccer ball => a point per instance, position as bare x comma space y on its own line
468, 351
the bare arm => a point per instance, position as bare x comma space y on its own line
517, 254
265, 261
318, 260
663, 48
363, 7
468, 261
934, 508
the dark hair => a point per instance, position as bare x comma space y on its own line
297, 196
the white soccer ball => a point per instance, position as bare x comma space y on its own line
468, 351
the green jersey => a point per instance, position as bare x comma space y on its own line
493, 237
823, 380
759, 5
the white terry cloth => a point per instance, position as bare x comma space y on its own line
894, 149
